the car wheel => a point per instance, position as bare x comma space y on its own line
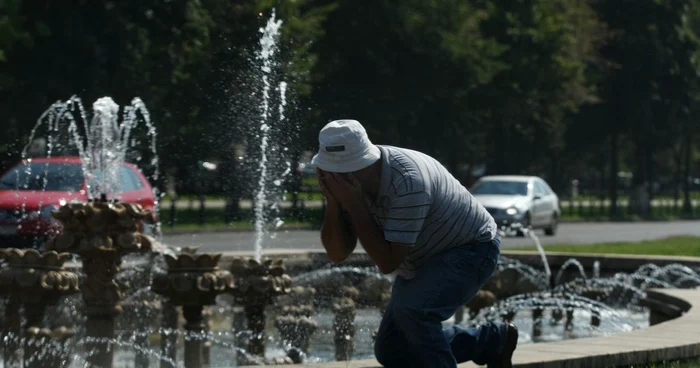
551, 230
525, 223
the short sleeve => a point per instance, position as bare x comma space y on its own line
405, 217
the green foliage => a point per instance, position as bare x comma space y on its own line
303, 25
183, 58
470, 70
523, 86
649, 92
11, 28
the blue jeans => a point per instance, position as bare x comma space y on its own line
411, 333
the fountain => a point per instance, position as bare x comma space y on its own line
35, 280
100, 233
193, 281
258, 283
345, 311
103, 231
330, 314
101, 143
295, 322
267, 57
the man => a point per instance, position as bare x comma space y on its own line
414, 219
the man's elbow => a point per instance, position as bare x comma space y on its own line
337, 258
394, 261
387, 268
337, 254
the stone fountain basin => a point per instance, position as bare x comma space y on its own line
643, 345
322, 348
670, 339
366, 321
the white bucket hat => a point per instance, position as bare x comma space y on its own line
344, 147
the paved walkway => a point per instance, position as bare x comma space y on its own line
673, 340
220, 203
575, 233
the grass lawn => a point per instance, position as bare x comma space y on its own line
694, 363
310, 181
674, 246
624, 197
659, 214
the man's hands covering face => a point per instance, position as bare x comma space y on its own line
342, 188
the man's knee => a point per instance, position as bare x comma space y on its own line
386, 351
380, 352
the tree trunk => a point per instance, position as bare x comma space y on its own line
500, 148
673, 118
601, 185
677, 173
649, 163
687, 205
555, 178
613, 173
639, 198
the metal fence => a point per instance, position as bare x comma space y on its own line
309, 209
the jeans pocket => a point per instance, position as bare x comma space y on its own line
465, 257
486, 259
487, 268
476, 262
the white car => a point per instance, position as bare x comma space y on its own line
527, 200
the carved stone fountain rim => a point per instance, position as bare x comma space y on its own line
195, 269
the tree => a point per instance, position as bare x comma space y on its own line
405, 70
183, 58
550, 45
466, 81
12, 35
648, 91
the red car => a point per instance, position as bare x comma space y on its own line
32, 189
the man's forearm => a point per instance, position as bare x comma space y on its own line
337, 237
385, 255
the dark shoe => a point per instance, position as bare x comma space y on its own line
504, 361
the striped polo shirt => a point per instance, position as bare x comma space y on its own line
421, 205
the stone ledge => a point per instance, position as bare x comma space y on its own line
672, 340
607, 262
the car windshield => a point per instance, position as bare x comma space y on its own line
498, 187
45, 176
124, 180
